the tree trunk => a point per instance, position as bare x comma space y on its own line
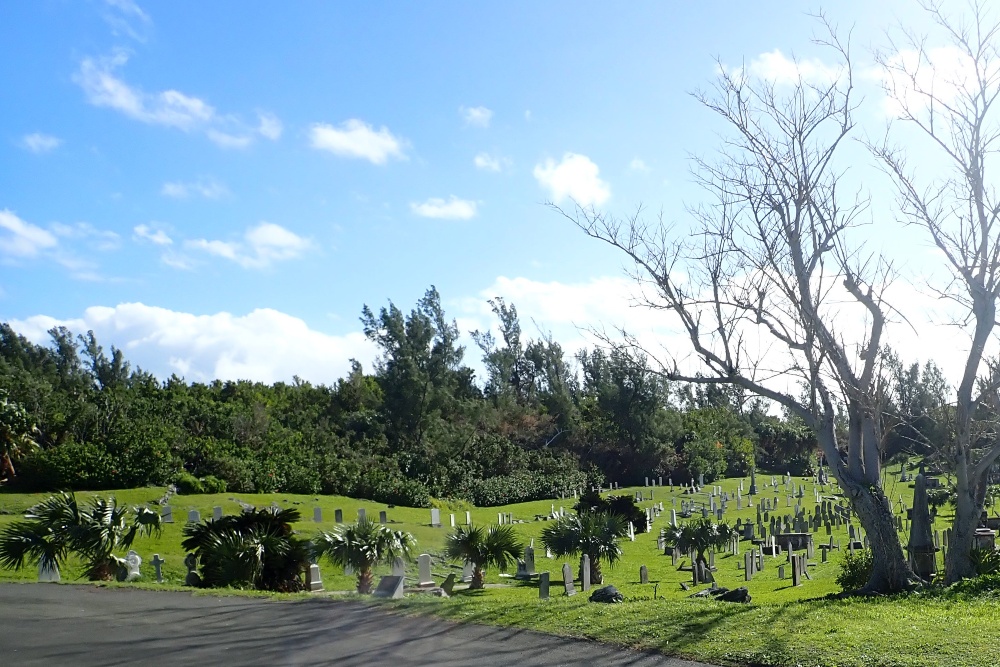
891, 571
596, 576
478, 578
365, 579
7, 466
968, 508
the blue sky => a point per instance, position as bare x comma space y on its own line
219, 187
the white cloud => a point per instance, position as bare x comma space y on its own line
776, 67
269, 126
99, 79
453, 209
357, 139
264, 345
40, 143
124, 16
154, 235
23, 239
261, 246
638, 165
488, 162
476, 116
170, 108
96, 239
575, 177
945, 71
210, 189
226, 140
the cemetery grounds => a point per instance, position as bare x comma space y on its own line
783, 625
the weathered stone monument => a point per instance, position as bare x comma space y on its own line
158, 567
318, 514
543, 586
923, 554
389, 587
567, 573
338, 516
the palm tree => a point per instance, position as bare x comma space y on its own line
699, 535
593, 533
497, 547
17, 436
362, 546
59, 526
255, 549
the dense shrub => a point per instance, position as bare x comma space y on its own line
256, 549
855, 570
623, 506
187, 484
67, 466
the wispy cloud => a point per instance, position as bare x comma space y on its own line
575, 177
126, 18
152, 234
22, 239
488, 162
476, 116
638, 165
210, 189
73, 247
452, 209
269, 126
260, 247
40, 143
357, 139
99, 78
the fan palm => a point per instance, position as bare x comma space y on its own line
362, 546
698, 535
255, 549
59, 526
593, 533
497, 547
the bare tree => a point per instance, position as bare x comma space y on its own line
771, 291
953, 107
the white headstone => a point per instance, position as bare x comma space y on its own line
361, 514
424, 567
194, 516
318, 514
398, 567
48, 574
468, 518
452, 518
435, 517
167, 514
216, 513
132, 563
467, 573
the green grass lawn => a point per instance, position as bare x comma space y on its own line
784, 625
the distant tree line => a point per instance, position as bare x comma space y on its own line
419, 425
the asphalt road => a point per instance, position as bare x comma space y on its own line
81, 626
